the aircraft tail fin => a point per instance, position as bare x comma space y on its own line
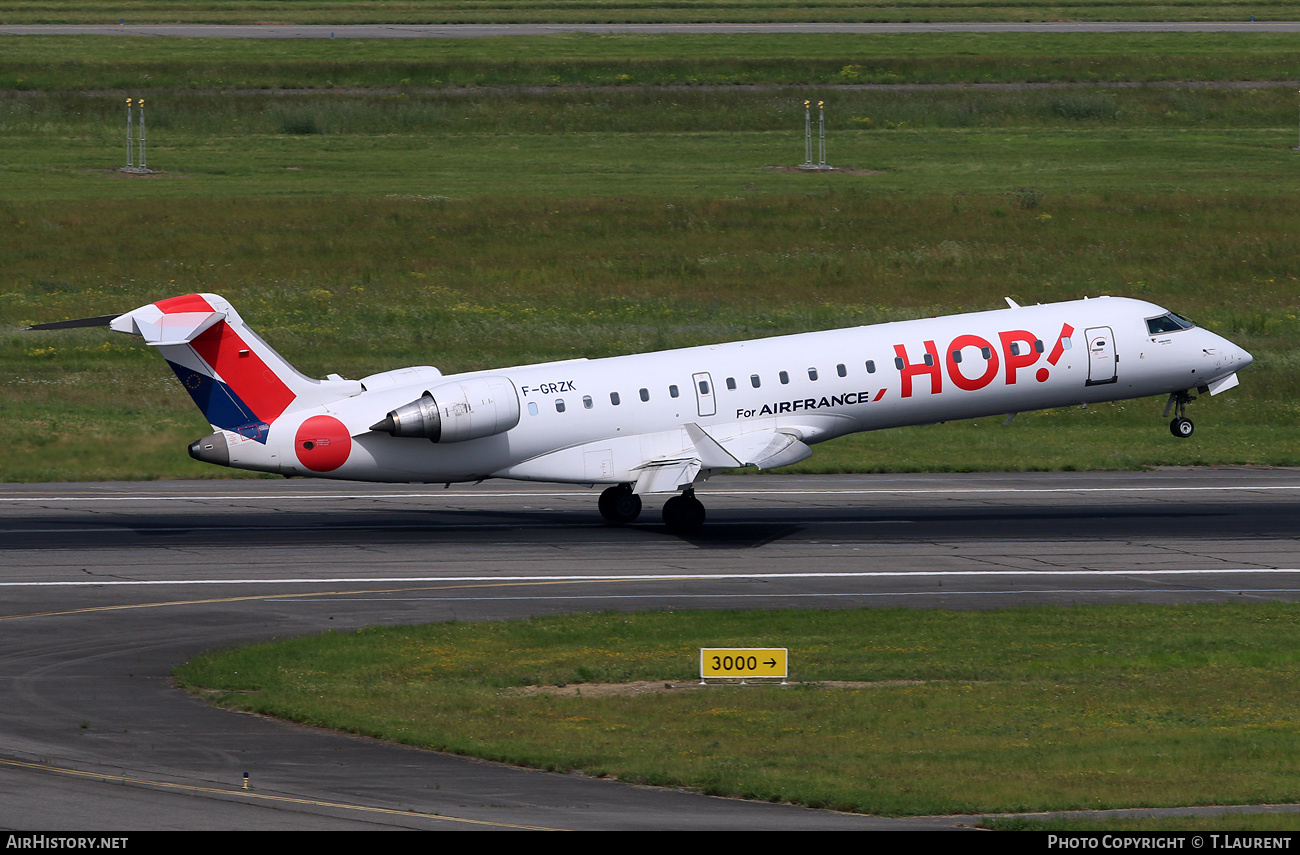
239, 381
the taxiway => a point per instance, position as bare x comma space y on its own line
107, 586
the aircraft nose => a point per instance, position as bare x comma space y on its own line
1232, 354
1239, 355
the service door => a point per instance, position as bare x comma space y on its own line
704, 394
1103, 361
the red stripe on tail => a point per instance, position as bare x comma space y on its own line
242, 370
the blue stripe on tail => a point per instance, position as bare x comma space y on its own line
219, 403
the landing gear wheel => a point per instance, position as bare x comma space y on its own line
684, 514
619, 504
1181, 426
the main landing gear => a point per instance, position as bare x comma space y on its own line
683, 514
1181, 426
619, 504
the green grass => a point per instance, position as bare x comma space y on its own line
1229, 821
358, 285
1053, 708
154, 64
443, 11
365, 230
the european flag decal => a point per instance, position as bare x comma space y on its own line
218, 402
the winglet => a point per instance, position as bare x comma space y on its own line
711, 454
766, 449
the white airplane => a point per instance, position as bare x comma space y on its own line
664, 422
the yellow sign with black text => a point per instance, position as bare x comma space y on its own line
741, 662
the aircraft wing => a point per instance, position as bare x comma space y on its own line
765, 449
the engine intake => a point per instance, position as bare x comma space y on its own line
455, 412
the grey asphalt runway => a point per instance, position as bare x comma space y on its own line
105, 587
449, 31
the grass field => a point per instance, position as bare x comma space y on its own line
1052, 709
364, 229
497, 11
102, 63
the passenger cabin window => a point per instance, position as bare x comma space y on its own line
586, 402
645, 394
1168, 323
812, 373
841, 370
785, 377
672, 391
559, 405
754, 381
704, 387
731, 383
613, 398
871, 366
532, 408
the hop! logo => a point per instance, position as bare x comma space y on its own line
1018, 349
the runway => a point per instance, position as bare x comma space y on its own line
107, 586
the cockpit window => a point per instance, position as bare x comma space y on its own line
1168, 323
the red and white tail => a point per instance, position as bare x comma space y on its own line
239, 382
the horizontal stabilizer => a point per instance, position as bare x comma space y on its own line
161, 329
76, 323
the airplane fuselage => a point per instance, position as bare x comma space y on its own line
609, 420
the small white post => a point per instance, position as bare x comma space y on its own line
142, 163
821, 130
807, 133
130, 143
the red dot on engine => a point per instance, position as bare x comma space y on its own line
322, 443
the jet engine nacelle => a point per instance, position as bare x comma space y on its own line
454, 412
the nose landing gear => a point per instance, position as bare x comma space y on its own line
1181, 426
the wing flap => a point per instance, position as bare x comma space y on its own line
667, 476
